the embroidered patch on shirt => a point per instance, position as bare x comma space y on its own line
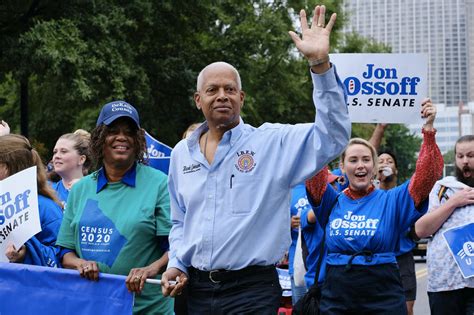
245, 162
191, 168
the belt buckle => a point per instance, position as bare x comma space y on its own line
210, 276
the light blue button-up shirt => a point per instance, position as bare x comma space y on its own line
234, 213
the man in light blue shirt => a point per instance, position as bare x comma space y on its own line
230, 184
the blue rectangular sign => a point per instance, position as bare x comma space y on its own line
461, 244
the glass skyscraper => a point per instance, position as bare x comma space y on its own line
438, 28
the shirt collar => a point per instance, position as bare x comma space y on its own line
128, 178
234, 133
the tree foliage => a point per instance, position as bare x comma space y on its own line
76, 55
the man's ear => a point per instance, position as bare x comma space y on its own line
242, 97
197, 100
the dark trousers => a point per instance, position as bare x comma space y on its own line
255, 293
459, 302
181, 303
362, 290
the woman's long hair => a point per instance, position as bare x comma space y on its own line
17, 154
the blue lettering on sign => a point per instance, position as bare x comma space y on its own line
9, 207
404, 86
98, 237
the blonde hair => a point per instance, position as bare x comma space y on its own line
190, 129
365, 143
81, 140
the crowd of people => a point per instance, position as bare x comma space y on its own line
216, 226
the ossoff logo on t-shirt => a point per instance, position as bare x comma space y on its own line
353, 225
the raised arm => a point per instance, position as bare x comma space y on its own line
307, 148
429, 166
314, 42
316, 186
377, 135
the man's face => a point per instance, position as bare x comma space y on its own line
386, 161
219, 97
119, 146
465, 163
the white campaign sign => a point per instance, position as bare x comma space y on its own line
383, 88
19, 214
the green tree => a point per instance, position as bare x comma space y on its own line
70, 57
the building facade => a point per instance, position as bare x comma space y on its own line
437, 28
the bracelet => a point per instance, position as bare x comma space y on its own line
317, 62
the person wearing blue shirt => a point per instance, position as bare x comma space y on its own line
230, 184
388, 176
71, 161
365, 223
17, 154
299, 203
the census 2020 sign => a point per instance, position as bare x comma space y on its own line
383, 88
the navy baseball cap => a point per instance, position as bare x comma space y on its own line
117, 109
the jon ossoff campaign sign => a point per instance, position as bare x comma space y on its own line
383, 88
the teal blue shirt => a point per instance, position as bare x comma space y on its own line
118, 225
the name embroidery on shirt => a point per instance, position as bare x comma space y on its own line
191, 168
245, 162
353, 225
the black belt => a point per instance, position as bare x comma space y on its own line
222, 275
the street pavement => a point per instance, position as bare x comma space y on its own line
421, 305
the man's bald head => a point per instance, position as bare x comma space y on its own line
215, 66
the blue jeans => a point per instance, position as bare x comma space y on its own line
296, 292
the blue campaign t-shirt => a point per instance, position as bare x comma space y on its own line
372, 223
299, 202
61, 192
406, 242
312, 235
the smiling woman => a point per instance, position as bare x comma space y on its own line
365, 224
117, 219
71, 161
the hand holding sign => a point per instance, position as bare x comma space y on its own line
19, 215
428, 111
14, 255
314, 42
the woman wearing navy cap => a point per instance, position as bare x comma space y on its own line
117, 219
362, 234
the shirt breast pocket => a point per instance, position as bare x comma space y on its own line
244, 195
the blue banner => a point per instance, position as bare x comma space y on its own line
461, 244
31, 290
158, 153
